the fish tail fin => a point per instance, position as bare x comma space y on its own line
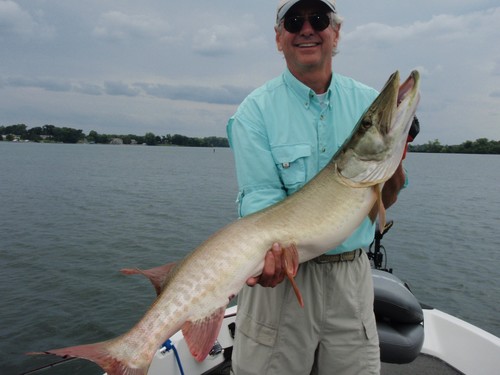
100, 354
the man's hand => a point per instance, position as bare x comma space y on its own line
274, 269
280, 262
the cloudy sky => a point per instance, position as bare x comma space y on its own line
164, 66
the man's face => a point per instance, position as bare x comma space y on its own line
308, 49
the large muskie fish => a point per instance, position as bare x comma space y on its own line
317, 218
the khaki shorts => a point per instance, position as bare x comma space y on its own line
335, 333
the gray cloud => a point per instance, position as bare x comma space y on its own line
49, 84
15, 21
496, 68
88, 88
121, 26
229, 37
440, 28
225, 94
120, 88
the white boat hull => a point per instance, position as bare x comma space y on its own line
463, 346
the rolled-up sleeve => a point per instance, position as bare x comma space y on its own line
258, 178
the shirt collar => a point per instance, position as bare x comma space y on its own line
301, 90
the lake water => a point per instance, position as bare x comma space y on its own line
71, 216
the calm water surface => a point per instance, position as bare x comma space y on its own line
71, 216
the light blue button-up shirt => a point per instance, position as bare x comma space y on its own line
283, 134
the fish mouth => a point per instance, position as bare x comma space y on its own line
402, 97
407, 86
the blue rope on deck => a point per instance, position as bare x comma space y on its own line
168, 345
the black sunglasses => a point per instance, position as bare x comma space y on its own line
319, 22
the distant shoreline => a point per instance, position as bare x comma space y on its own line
414, 149
55, 134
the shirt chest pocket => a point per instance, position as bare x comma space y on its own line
292, 164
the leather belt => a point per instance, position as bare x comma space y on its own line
348, 256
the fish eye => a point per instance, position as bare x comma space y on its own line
366, 123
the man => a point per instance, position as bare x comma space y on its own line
282, 135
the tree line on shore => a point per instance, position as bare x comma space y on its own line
52, 133
479, 146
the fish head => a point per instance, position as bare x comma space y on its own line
376, 146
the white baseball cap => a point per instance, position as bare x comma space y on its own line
285, 5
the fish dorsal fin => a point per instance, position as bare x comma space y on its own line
201, 334
157, 275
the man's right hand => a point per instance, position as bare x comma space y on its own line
273, 272
280, 262
276, 262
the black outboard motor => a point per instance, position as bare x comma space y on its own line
398, 312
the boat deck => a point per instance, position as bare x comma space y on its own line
424, 364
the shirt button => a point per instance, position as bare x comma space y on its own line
323, 149
322, 117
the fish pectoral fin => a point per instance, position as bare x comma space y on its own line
291, 264
381, 208
200, 335
291, 259
157, 275
378, 209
